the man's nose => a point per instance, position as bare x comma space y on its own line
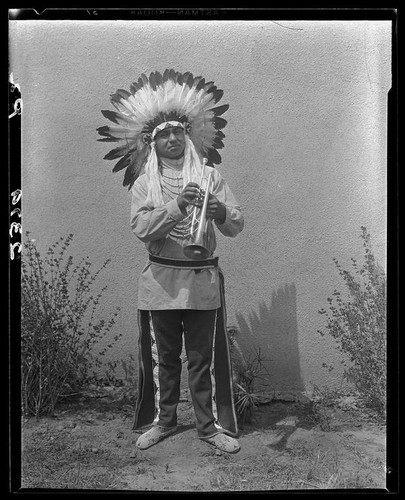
172, 137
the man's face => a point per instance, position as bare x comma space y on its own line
170, 142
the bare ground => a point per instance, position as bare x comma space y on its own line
289, 445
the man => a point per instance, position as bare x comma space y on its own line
176, 116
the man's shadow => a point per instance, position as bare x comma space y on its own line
271, 335
273, 331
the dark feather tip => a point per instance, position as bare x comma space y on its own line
220, 110
218, 93
158, 78
214, 156
219, 122
104, 130
115, 153
122, 163
134, 87
152, 81
110, 115
108, 139
200, 84
123, 93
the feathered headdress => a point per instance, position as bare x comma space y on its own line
173, 96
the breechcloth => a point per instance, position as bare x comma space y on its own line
208, 363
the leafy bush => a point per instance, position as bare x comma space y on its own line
357, 321
58, 324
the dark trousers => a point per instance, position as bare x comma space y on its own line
198, 329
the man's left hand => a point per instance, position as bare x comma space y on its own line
215, 209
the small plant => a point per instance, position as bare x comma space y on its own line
246, 370
322, 404
357, 322
59, 328
124, 383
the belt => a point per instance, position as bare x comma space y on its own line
184, 264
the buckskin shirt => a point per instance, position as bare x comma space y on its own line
162, 229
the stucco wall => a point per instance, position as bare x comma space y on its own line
305, 154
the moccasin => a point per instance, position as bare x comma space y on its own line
223, 443
153, 436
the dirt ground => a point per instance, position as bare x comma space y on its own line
289, 445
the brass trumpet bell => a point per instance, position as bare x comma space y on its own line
196, 251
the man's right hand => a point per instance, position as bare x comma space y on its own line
189, 196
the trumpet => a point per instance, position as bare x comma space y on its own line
197, 248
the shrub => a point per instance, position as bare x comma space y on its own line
58, 324
357, 322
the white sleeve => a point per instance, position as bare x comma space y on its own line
150, 224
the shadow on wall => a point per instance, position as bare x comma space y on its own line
273, 331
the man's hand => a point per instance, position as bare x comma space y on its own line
215, 209
191, 195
